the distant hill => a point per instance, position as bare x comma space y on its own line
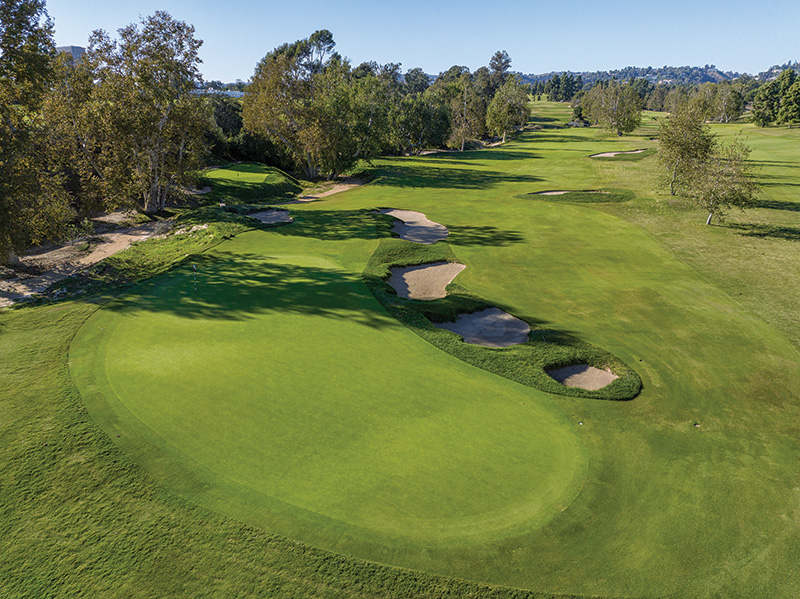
685, 75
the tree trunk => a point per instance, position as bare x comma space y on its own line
708, 220
672, 183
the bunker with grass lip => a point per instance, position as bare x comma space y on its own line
424, 281
490, 327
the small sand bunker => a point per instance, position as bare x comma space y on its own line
583, 376
562, 192
491, 328
424, 281
612, 154
272, 217
416, 227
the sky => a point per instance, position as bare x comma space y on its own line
540, 36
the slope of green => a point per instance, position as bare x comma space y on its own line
689, 490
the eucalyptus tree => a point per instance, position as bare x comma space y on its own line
149, 126
33, 206
508, 110
615, 107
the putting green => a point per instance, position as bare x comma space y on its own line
281, 393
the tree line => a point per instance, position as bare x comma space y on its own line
125, 126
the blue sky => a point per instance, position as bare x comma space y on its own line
581, 35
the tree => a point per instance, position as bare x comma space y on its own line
615, 107
684, 142
33, 205
508, 110
416, 81
327, 115
789, 112
467, 112
149, 126
499, 65
723, 181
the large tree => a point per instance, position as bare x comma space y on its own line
33, 205
615, 107
684, 142
151, 127
499, 65
508, 110
723, 181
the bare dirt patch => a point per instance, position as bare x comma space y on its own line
272, 217
491, 328
583, 376
416, 227
54, 263
424, 281
612, 154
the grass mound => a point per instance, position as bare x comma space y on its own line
525, 363
593, 196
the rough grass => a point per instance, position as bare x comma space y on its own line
667, 508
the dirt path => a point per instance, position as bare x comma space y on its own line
57, 263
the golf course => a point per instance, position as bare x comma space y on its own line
256, 411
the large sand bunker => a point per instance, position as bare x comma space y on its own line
424, 281
272, 217
491, 328
612, 154
416, 227
583, 376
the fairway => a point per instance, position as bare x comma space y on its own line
281, 393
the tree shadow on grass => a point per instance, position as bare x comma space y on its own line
419, 176
483, 154
771, 204
772, 231
236, 287
486, 236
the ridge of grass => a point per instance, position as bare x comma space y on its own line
526, 363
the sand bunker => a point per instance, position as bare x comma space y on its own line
415, 226
424, 281
562, 192
552, 193
491, 328
583, 376
612, 154
272, 217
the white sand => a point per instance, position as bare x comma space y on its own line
347, 184
491, 328
552, 193
583, 376
272, 217
612, 154
424, 281
416, 227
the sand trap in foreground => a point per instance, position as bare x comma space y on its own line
583, 376
612, 154
424, 281
491, 328
272, 217
416, 227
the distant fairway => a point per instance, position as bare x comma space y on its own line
282, 398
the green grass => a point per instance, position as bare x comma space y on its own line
250, 182
312, 412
